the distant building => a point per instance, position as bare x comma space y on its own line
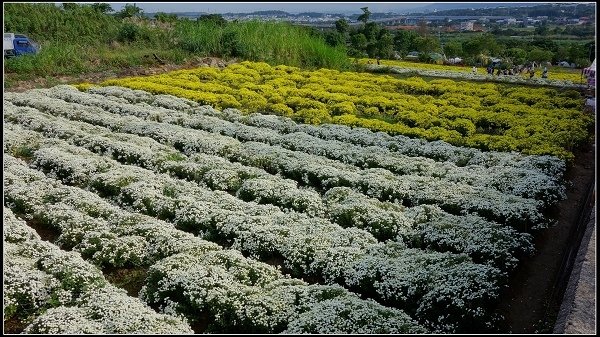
511, 21
478, 27
405, 27
466, 25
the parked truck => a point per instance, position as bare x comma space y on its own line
18, 44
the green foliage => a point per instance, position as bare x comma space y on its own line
46, 22
214, 18
102, 7
82, 38
52, 60
342, 26
130, 11
364, 17
539, 55
164, 17
453, 49
405, 41
271, 42
427, 44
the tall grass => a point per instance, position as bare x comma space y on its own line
72, 59
81, 40
47, 22
271, 42
52, 60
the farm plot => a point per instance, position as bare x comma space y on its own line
485, 116
255, 223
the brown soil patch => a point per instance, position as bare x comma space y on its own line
13, 326
45, 232
130, 279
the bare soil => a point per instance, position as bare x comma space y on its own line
130, 279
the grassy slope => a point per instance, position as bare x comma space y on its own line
80, 41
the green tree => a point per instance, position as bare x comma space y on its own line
359, 41
538, 55
453, 49
577, 51
214, 18
516, 55
371, 31
342, 26
385, 45
130, 11
364, 17
541, 29
69, 6
484, 44
427, 44
335, 38
404, 41
164, 17
102, 7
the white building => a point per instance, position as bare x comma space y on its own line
466, 25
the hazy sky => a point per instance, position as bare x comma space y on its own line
291, 7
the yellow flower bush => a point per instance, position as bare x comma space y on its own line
488, 116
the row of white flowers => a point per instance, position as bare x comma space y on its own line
187, 276
58, 292
412, 279
470, 77
528, 183
429, 227
436, 150
314, 170
420, 226
248, 183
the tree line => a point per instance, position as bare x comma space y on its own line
370, 39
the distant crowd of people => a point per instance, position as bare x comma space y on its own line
517, 70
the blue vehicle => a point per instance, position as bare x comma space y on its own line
18, 44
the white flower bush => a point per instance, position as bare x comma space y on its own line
110, 312
297, 238
527, 181
39, 276
457, 198
130, 179
437, 150
430, 227
276, 305
347, 315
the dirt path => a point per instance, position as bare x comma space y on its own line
533, 298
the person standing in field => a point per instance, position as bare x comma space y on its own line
545, 73
474, 70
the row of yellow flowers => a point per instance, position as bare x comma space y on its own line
554, 73
482, 115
